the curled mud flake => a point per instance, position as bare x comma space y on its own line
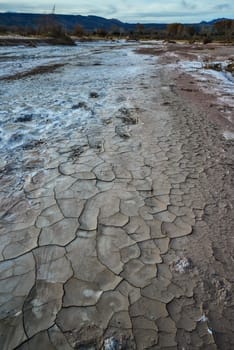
128, 116
129, 253
117, 220
96, 143
81, 104
89, 218
122, 131
75, 152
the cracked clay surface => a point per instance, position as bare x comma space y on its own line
109, 244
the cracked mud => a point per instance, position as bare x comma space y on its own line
114, 242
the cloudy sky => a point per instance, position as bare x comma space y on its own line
144, 11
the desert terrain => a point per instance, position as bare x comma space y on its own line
116, 196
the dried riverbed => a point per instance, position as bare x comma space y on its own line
116, 205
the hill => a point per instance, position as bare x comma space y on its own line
89, 23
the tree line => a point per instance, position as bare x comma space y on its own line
48, 25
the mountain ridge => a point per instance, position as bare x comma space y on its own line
89, 23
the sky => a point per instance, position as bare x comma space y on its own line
132, 11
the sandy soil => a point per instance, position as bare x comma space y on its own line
211, 246
124, 240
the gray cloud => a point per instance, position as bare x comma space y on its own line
130, 10
222, 7
188, 5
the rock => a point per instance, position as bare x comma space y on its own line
93, 94
214, 66
24, 118
80, 105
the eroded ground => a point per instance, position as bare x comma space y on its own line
116, 228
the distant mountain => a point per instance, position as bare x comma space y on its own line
89, 23
214, 21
